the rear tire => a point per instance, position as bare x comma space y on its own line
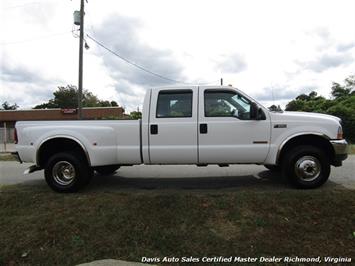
67, 172
306, 167
107, 170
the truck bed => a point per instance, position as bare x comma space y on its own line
106, 141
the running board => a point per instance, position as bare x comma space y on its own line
31, 169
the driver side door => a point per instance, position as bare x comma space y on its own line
227, 134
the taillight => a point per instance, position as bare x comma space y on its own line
15, 136
340, 133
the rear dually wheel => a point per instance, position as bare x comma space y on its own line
67, 172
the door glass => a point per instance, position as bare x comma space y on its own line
174, 104
226, 104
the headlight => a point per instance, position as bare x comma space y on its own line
340, 133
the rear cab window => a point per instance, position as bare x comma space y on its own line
174, 104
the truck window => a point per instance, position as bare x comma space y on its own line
226, 104
174, 104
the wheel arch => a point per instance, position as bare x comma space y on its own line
313, 139
59, 143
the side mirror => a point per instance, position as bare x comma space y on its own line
235, 112
254, 110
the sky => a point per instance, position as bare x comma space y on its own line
271, 50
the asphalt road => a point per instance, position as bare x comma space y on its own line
182, 177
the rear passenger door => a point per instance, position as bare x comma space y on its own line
173, 126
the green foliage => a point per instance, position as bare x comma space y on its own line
109, 221
275, 108
295, 105
8, 106
339, 91
341, 105
135, 115
67, 97
114, 103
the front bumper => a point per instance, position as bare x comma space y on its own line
341, 149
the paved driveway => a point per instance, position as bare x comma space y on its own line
182, 177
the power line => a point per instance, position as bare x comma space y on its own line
134, 64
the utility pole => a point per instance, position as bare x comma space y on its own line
81, 42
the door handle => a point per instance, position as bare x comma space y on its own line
203, 129
154, 129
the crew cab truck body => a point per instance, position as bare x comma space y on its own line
186, 125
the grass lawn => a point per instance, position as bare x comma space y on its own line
7, 157
40, 227
352, 149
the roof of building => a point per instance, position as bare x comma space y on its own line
60, 114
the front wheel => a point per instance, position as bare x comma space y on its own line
306, 167
67, 172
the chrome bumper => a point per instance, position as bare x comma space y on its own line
341, 149
340, 146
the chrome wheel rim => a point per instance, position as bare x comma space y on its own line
308, 168
63, 173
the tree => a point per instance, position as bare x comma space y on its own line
345, 90
67, 97
312, 94
7, 106
339, 90
295, 105
309, 103
341, 105
275, 108
303, 97
135, 115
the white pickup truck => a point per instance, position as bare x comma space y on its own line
198, 125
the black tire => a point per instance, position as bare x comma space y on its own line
273, 168
67, 172
107, 170
306, 167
